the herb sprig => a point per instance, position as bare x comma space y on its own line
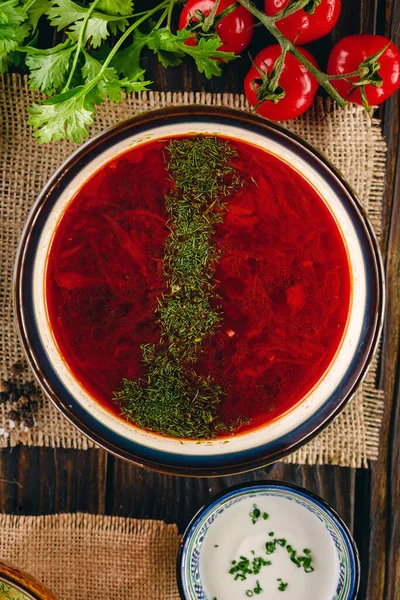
87, 67
174, 399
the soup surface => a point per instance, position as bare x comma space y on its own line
278, 281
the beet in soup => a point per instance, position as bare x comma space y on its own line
198, 286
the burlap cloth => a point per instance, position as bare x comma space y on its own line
348, 138
90, 557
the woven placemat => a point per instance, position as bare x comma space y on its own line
349, 139
90, 557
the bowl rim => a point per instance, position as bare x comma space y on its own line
215, 500
23, 582
19, 587
155, 117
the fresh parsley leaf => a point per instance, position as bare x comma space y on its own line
115, 88
36, 10
127, 60
64, 116
68, 114
13, 30
110, 85
49, 68
171, 49
96, 31
65, 13
116, 7
205, 54
92, 67
167, 45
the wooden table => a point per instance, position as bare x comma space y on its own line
43, 480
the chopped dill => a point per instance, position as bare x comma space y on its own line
173, 399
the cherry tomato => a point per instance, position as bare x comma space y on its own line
296, 85
346, 57
302, 27
235, 29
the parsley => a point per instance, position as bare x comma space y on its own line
87, 67
49, 68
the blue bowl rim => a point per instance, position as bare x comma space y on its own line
215, 500
158, 460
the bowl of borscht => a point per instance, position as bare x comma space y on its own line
198, 291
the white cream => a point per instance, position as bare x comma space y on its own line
232, 535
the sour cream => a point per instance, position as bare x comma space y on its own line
233, 535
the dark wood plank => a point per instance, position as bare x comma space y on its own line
384, 566
44, 480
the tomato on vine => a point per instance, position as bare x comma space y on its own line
307, 24
278, 85
373, 65
234, 24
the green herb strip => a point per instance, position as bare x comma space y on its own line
173, 399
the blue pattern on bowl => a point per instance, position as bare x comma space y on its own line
188, 566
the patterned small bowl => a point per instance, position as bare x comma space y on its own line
188, 563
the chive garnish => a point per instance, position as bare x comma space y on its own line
258, 588
255, 514
282, 586
270, 547
281, 542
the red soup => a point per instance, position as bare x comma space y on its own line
280, 282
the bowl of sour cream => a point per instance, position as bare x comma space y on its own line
269, 540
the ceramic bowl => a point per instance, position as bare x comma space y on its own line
17, 584
188, 564
248, 450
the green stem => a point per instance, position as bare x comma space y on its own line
161, 19
80, 43
27, 5
321, 77
10, 2
119, 43
345, 75
209, 21
227, 11
170, 9
292, 8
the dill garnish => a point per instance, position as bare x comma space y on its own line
173, 399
